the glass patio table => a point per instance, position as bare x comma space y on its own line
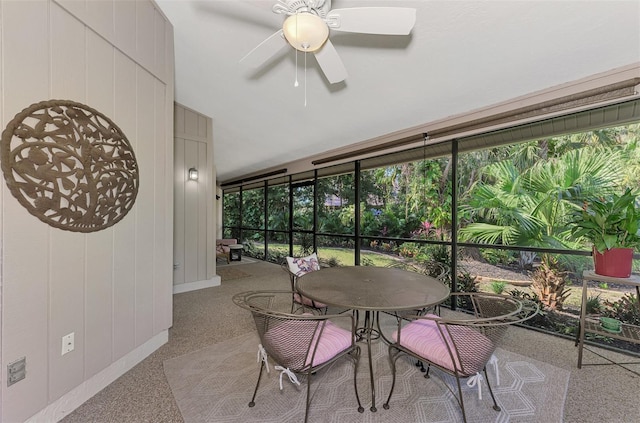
372, 289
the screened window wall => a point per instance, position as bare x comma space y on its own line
511, 193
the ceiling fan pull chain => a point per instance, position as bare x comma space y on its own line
295, 84
305, 79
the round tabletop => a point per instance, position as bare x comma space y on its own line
372, 288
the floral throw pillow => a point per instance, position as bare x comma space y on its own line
301, 265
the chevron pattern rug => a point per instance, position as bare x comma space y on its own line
215, 384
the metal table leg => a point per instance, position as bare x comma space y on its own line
369, 317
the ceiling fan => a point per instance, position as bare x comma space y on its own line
307, 24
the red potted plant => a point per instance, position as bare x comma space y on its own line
612, 225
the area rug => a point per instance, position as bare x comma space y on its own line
230, 273
215, 384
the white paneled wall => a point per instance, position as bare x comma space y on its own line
112, 288
194, 210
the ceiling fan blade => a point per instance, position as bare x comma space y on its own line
373, 20
265, 50
330, 63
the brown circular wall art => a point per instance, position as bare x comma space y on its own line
69, 165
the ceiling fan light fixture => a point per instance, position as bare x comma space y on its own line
305, 31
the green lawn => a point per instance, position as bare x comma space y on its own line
345, 257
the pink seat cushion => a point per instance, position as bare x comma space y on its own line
307, 301
423, 337
333, 341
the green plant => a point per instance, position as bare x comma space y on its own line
549, 284
524, 295
467, 282
593, 305
625, 309
603, 285
609, 222
495, 256
498, 287
366, 261
331, 262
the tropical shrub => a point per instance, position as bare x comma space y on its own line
626, 309
498, 287
550, 284
593, 305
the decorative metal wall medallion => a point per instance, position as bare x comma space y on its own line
69, 165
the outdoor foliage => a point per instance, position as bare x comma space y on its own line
550, 284
609, 221
498, 287
533, 206
525, 195
626, 309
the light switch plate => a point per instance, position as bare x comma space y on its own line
68, 343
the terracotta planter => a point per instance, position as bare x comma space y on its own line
615, 262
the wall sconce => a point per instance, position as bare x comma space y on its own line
193, 174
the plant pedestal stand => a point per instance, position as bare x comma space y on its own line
630, 333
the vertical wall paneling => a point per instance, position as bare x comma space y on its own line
76, 7
145, 153
194, 213
203, 208
160, 44
169, 131
2, 120
66, 305
100, 17
213, 209
178, 211
111, 288
25, 240
100, 247
191, 121
145, 34
124, 234
191, 212
67, 249
124, 24
68, 66
162, 285
100, 74
202, 127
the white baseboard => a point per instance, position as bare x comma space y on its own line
193, 286
58, 409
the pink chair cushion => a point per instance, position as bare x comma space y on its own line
423, 337
307, 301
333, 341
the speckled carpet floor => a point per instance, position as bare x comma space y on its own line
215, 384
230, 273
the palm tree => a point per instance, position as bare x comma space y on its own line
532, 207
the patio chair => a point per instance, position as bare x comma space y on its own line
300, 344
432, 268
460, 345
296, 267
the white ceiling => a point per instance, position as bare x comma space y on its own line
461, 55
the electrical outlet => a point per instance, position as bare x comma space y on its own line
68, 343
16, 371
